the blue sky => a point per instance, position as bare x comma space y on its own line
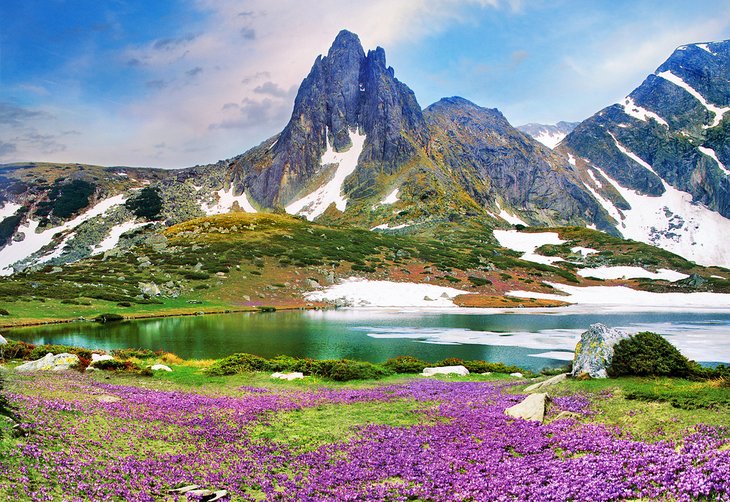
173, 83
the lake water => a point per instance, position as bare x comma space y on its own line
529, 340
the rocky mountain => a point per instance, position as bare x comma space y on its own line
657, 160
549, 134
359, 151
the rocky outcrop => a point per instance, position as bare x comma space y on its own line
547, 383
446, 370
594, 352
49, 362
531, 408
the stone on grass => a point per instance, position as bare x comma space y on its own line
446, 370
49, 362
547, 383
531, 408
95, 358
517, 374
160, 367
3, 341
294, 375
594, 352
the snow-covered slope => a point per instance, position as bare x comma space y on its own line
315, 203
548, 134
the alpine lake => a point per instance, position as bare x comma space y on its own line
529, 339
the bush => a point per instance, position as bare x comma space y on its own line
405, 364
345, 370
479, 281
41, 350
104, 318
4, 312
136, 353
648, 354
114, 365
238, 363
124, 304
71, 197
146, 204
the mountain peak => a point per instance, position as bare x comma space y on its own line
346, 40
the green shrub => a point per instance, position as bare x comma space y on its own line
104, 318
405, 364
137, 353
648, 354
15, 350
479, 281
4, 312
344, 370
41, 350
146, 204
124, 304
68, 199
196, 276
238, 363
114, 365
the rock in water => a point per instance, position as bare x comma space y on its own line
547, 383
446, 370
531, 408
594, 352
60, 362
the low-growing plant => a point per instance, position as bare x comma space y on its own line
104, 318
136, 353
405, 364
479, 281
4, 312
238, 363
114, 365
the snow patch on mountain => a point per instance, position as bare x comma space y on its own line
528, 242
509, 217
392, 197
706, 47
673, 222
33, 242
711, 153
9, 209
633, 110
112, 239
628, 298
314, 204
225, 203
716, 110
549, 135
631, 155
357, 292
386, 226
604, 272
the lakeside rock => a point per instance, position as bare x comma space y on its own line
446, 370
594, 352
160, 367
531, 408
546, 383
49, 362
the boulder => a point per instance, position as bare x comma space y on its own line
149, 288
446, 370
95, 358
294, 375
517, 374
49, 362
160, 367
594, 352
3, 341
547, 383
531, 408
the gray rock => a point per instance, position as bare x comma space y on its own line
160, 367
594, 352
446, 370
517, 374
49, 362
149, 288
531, 408
546, 383
294, 375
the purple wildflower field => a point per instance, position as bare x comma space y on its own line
89, 440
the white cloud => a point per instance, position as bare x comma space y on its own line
217, 91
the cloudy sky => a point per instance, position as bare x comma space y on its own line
173, 83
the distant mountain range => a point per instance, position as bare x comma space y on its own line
549, 134
359, 150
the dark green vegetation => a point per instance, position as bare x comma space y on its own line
146, 204
343, 370
650, 354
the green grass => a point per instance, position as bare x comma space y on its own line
309, 428
654, 408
